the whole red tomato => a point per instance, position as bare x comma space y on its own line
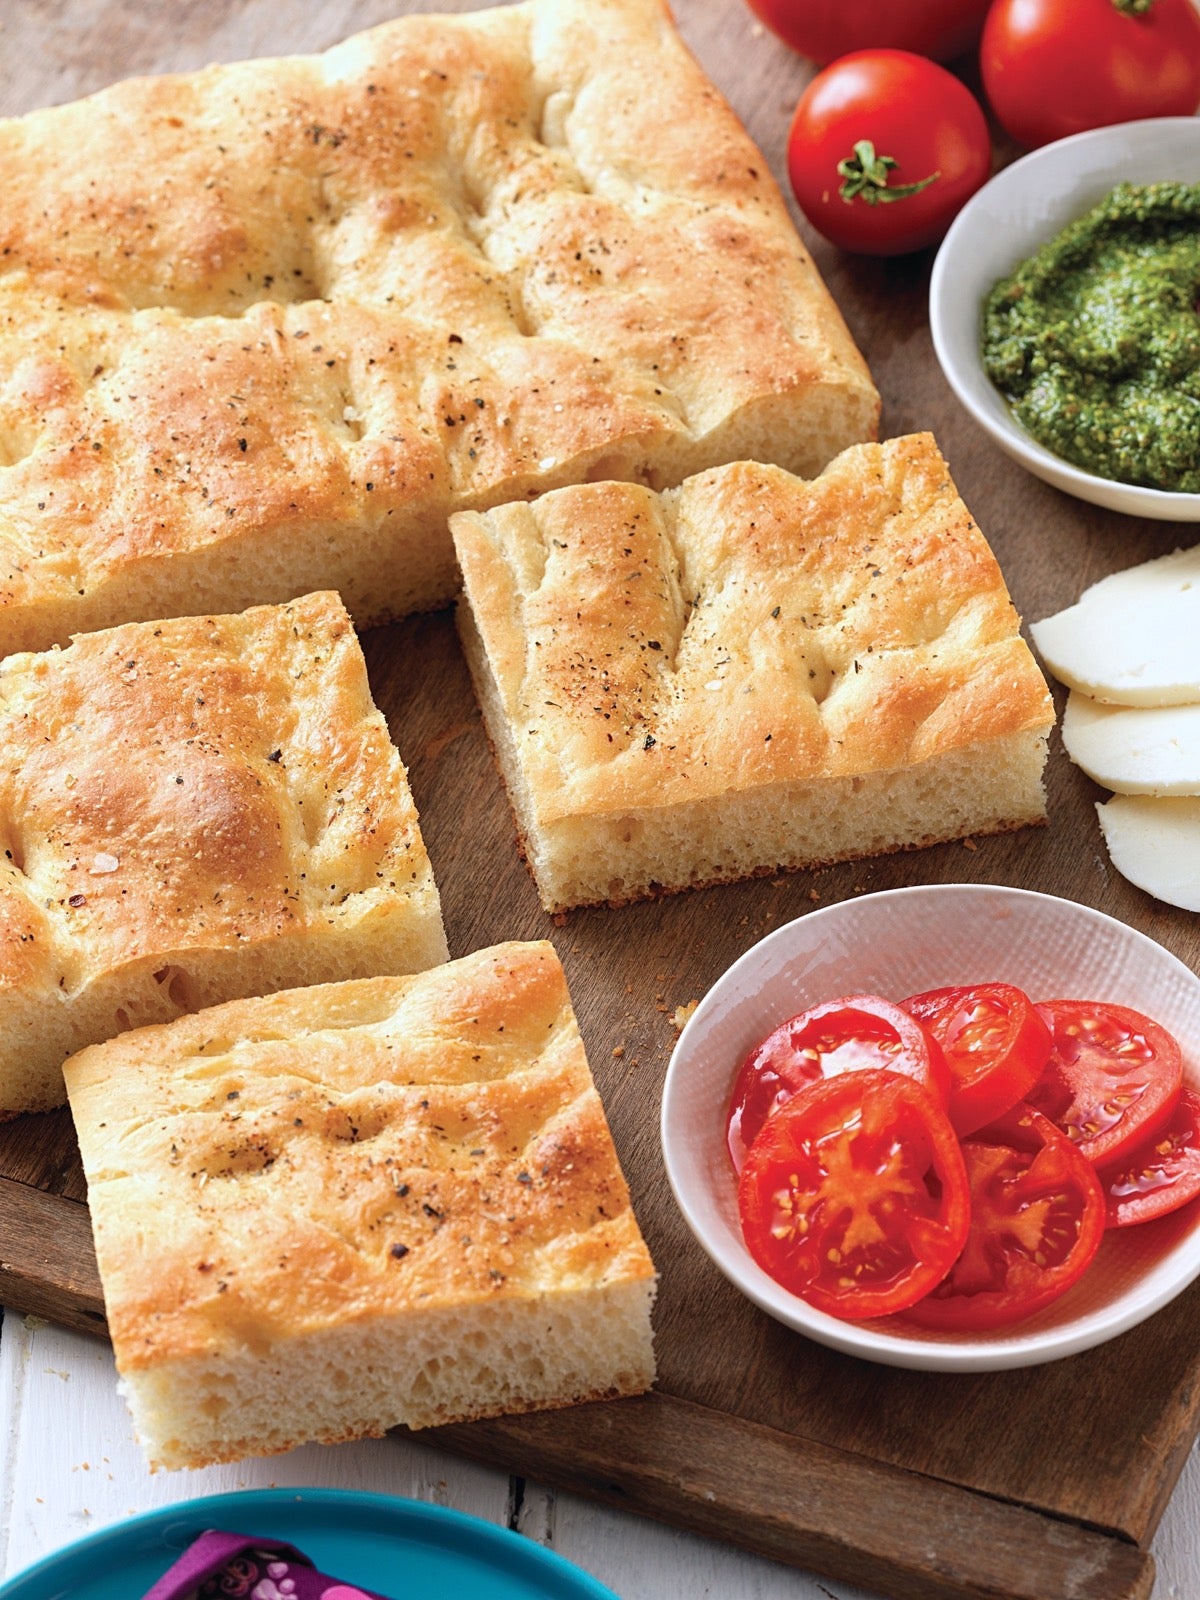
1057, 67
885, 148
823, 29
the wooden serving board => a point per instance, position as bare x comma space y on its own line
1024, 1485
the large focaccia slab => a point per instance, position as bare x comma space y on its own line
191, 811
749, 672
391, 1201
262, 328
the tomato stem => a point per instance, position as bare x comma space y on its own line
866, 175
1133, 8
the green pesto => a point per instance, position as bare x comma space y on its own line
1095, 341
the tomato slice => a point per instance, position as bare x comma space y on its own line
854, 1195
1112, 1079
852, 1034
1037, 1219
1161, 1173
995, 1045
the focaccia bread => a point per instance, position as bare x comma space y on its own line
263, 327
749, 672
192, 811
374, 1203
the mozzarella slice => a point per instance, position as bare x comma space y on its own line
1134, 749
1133, 638
1155, 843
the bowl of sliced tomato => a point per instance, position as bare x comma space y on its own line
951, 1127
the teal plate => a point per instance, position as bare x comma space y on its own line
399, 1547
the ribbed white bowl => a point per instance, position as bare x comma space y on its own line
1007, 221
895, 944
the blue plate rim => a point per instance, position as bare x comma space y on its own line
441, 1525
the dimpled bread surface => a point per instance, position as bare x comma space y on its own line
331, 1211
264, 326
191, 811
750, 672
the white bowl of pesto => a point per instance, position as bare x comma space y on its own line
1021, 210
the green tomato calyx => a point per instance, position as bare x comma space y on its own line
866, 176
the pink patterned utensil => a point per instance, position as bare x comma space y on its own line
234, 1566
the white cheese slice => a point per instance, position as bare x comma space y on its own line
1133, 638
1134, 749
1155, 843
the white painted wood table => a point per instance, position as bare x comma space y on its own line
69, 1465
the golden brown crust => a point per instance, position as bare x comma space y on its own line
189, 809
264, 326
747, 629
750, 630
326, 1160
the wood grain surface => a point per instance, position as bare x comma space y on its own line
1034, 1483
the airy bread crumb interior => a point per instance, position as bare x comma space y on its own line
331, 1211
190, 811
749, 673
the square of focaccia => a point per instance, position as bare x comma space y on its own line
191, 811
264, 326
749, 672
328, 1212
